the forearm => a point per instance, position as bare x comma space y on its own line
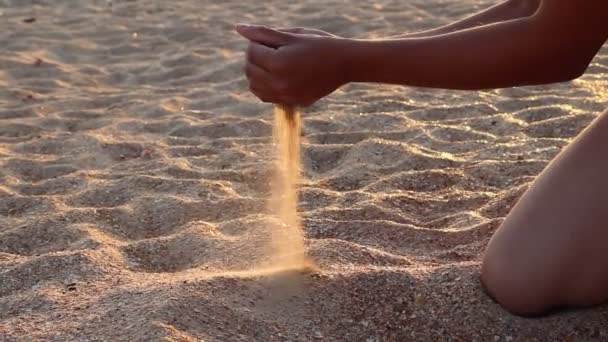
508, 10
511, 53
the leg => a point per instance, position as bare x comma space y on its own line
551, 249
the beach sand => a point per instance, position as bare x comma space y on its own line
135, 179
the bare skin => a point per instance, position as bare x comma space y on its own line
548, 253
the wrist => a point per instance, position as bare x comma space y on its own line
363, 60
351, 57
337, 58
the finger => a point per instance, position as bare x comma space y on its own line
260, 83
264, 35
293, 30
264, 95
305, 31
257, 75
260, 55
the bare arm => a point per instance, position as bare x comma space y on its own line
508, 10
554, 44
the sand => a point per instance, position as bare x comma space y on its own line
287, 246
136, 167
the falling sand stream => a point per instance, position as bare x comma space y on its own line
288, 238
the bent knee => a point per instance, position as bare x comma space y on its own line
518, 289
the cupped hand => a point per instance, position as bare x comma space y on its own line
293, 66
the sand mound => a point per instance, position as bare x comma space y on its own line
136, 170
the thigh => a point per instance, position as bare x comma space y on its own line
550, 250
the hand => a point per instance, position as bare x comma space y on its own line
294, 67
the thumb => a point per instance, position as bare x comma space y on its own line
264, 35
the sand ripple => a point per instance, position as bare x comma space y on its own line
135, 172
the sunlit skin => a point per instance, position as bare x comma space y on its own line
550, 250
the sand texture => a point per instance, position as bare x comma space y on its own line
136, 166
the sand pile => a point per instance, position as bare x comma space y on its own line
136, 168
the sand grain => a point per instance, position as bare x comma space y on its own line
136, 171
